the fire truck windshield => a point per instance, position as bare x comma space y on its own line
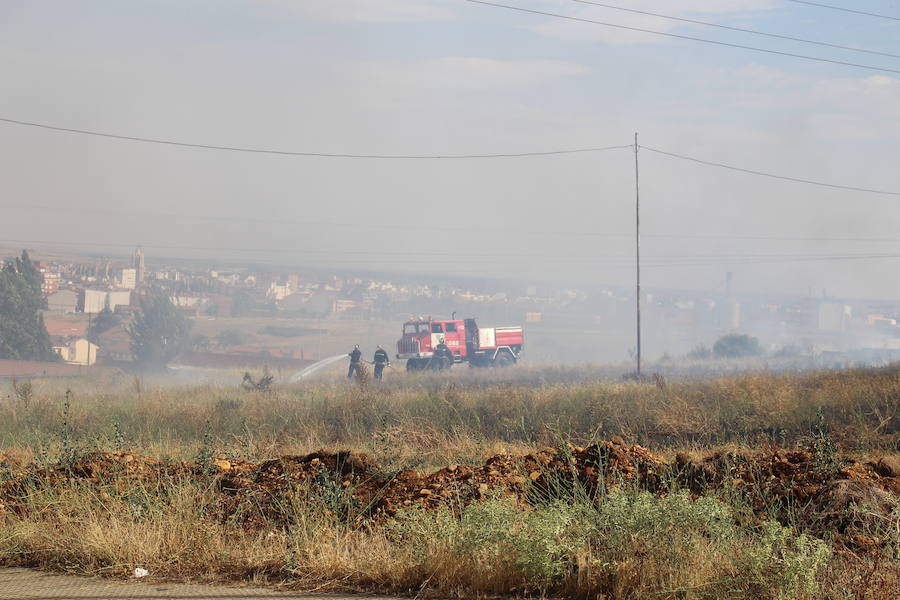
411, 328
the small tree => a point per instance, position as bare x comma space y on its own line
737, 345
159, 332
26, 268
105, 320
23, 335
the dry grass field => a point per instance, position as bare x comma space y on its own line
526, 482
320, 337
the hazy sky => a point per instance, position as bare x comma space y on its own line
450, 77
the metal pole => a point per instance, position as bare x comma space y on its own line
637, 250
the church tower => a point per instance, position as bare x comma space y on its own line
137, 261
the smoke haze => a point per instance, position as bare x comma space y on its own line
445, 77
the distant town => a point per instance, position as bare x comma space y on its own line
89, 305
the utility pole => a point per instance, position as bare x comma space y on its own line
637, 250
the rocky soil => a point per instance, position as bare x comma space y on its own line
834, 494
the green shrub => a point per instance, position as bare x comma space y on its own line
737, 345
629, 545
784, 564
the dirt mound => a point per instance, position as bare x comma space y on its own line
108, 465
95, 467
802, 474
818, 492
888, 467
790, 484
276, 491
548, 472
346, 466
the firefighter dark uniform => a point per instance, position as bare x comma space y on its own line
381, 361
355, 357
443, 355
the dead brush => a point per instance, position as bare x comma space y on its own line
263, 384
362, 377
23, 391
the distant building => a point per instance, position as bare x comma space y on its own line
278, 292
881, 321
94, 301
833, 316
127, 310
50, 278
173, 275
320, 304
128, 279
295, 302
197, 303
137, 262
66, 328
75, 351
344, 304
115, 345
63, 301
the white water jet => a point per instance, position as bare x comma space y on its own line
315, 367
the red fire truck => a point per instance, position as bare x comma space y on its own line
479, 346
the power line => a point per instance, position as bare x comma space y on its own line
293, 222
131, 138
849, 10
410, 156
771, 175
738, 29
614, 261
454, 230
684, 37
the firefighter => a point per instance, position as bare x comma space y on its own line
443, 355
355, 358
380, 360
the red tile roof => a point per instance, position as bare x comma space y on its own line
115, 340
66, 328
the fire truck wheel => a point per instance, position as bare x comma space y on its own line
503, 360
412, 365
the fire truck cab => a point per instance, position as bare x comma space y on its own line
479, 346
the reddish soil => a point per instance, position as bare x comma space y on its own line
263, 494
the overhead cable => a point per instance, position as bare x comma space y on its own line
445, 229
667, 260
131, 138
771, 175
450, 156
843, 9
738, 29
684, 37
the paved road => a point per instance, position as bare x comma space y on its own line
26, 584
